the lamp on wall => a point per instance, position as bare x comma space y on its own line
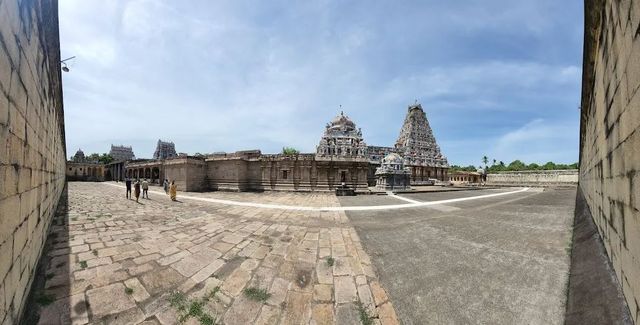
65, 68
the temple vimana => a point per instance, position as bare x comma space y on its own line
342, 159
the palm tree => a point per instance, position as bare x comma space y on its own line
494, 162
485, 160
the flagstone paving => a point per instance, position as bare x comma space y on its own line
115, 261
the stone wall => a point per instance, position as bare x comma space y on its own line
535, 178
84, 171
32, 149
610, 135
284, 173
188, 173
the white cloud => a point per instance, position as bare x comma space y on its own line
538, 141
229, 75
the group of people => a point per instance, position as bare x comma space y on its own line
170, 189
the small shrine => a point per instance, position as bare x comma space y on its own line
392, 175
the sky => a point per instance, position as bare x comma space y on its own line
495, 78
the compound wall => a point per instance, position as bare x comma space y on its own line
32, 149
610, 135
535, 178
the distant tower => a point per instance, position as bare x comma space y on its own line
418, 146
121, 153
164, 150
79, 156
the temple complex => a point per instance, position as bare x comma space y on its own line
342, 159
121, 153
164, 150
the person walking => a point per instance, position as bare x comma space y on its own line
145, 188
173, 190
165, 185
127, 182
136, 189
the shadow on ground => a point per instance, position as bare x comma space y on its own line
594, 296
50, 288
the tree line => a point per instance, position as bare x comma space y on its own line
516, 165
104, 158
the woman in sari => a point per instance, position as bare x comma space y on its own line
173, 189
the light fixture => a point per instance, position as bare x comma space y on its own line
65, 68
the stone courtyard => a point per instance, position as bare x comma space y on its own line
296, 258
115, 261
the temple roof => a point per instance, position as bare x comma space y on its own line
341, 121
393, 158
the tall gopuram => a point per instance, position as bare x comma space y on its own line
121, 153
164, 150
341, 141
418, 147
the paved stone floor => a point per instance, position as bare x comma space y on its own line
115, 261
498, 260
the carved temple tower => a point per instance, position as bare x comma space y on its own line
418, 147
341, 141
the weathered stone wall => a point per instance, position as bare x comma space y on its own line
610, 135
32, 150
228, 174
87, 172
283, 173
188, 173
535, 178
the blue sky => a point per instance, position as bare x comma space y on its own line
496, 78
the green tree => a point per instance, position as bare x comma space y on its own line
93, 157
485, 161
105, 158
549, 166
516, 165
533, 166
290, 151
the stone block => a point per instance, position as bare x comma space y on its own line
243, 311
322, 292
345, 289
138, 293
322, 314
268, 316
298, 308
19, 241
234, 284
18, 96
109, 300
161, 280
6, 255
9, 184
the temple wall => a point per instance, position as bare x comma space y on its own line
228, 174
188, 173
283, 173
535, 178
610, 135
87, 172
32, 144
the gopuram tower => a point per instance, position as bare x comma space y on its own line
418, 147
